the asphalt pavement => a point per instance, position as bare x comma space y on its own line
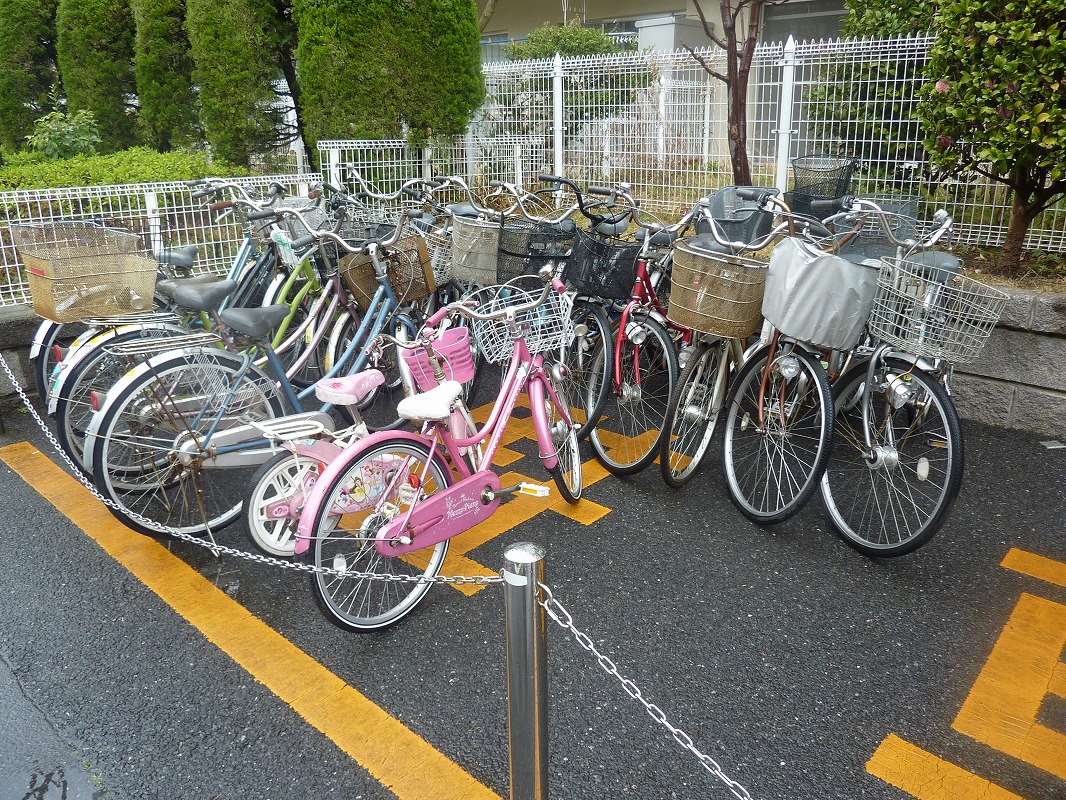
793, 662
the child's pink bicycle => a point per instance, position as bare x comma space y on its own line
378, 520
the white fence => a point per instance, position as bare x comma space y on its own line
658, 121
164, 214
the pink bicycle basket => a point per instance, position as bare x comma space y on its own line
454, 348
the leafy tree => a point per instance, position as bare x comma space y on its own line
367, 68
566, 40
346, 68
27, 65
867, 102
94, 49
995, 102
238, 47
163, 69
740, 34
432, 100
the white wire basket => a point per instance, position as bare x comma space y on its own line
546, 328
440, 254
475, 250
918, 311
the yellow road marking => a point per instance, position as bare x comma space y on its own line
395, 756
1002, 706
1036, 566
927, 777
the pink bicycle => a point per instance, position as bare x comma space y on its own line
378, 521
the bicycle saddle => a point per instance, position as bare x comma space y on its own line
611, 228
255, 322
434, 405
180, 257
659, 238
203, 297
166, 286
348, 390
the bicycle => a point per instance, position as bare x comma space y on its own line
897, 461
174, 443
379, 519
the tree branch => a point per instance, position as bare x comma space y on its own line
708, 29
706, 66
486, 15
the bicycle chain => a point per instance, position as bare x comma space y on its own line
219, 549
562, 617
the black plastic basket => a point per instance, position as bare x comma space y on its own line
602, 267
819, 177
527, 246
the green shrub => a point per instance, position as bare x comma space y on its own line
59, 135
137, 165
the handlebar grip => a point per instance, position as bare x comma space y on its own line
600, 190
201, 193
302, 242
544, 177
274, 188
823, 208
195, 182
268, 214
495, 183
329, 187
753, 193
221, 206
437, 317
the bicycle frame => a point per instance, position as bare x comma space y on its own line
476, 495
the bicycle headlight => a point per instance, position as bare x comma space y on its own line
899, 390
788, 367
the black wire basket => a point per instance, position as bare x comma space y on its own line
602, 267
527, 246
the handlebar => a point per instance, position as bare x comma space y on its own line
463, 308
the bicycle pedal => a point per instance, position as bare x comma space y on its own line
533, 490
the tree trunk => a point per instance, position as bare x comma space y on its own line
1022, 215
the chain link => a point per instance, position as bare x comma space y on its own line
218, 549
562, 617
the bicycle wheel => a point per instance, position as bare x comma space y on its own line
892, 501
691, 419
96, 370
567, 471
776, 452
365, 591
625, 439
171, 400
586, 388
276, 481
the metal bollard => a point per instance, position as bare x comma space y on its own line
527, 671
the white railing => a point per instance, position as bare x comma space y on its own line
658, 122
165, 214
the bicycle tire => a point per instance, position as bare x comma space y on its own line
133, 441
893, 503
771, 473
278, 478
586, 389
366, 603
625, 439
567, 470
691, 419
96, 371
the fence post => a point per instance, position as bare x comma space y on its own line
557, 121
784, 116
155, 224
527, 671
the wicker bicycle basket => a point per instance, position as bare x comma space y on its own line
453, 350
78, 270
526, 246
916, 311
716, 293
475, 250
602, 267
546, 328
407, 267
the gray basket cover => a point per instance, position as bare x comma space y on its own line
820, 299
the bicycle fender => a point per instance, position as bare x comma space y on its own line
304, 530
41, 336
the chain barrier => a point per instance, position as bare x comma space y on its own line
562, 618
219, 549
553, 607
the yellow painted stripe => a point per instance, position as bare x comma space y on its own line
1036, 566
1002, 707
394, 755
927, 777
